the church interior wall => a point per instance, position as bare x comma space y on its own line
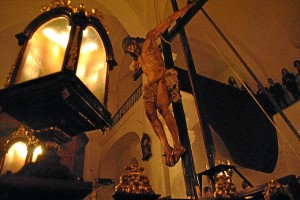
169, 181
103, 155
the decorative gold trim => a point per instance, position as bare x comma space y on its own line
224, 187
23, 133
10, 73
97, 14
73, 53
134, 182
58, 4
274, 188
67, 4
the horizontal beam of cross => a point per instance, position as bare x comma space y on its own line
184, 20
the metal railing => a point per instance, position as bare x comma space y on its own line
127, 105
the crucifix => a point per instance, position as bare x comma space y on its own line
162, 88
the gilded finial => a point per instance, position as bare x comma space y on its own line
67, 4
134, 182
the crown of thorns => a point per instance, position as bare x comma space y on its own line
127, 41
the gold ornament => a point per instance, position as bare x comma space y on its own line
134, 182
67, 4
274, 188
224, 187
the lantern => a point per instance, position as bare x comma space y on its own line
57, 86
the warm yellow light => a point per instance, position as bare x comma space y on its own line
80, 70
91, 73
20, 149
15, 157
44, 53
61, 38
56, 51
92, 64
37, 151
90, 46
33, 71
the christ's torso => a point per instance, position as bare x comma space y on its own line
152, 61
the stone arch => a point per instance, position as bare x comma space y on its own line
122, 153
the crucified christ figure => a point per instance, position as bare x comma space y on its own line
162, 84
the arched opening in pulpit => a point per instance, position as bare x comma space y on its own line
48, 41
15, 157
21, 147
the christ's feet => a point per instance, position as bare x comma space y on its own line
169, 158
172, 156
178, 152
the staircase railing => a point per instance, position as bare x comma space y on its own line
127, 105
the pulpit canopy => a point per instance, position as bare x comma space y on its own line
58, 85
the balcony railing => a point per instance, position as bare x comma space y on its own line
127, 105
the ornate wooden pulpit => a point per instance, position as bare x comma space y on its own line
57, 87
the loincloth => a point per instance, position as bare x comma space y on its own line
150, 90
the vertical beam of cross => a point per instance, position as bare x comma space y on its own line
197, 93
191, 179
187, 159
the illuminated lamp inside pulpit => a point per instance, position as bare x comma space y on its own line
57, 87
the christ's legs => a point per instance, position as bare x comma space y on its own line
163, 102
159, 131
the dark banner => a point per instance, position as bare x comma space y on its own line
246, 131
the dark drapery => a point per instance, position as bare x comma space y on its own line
246, 131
